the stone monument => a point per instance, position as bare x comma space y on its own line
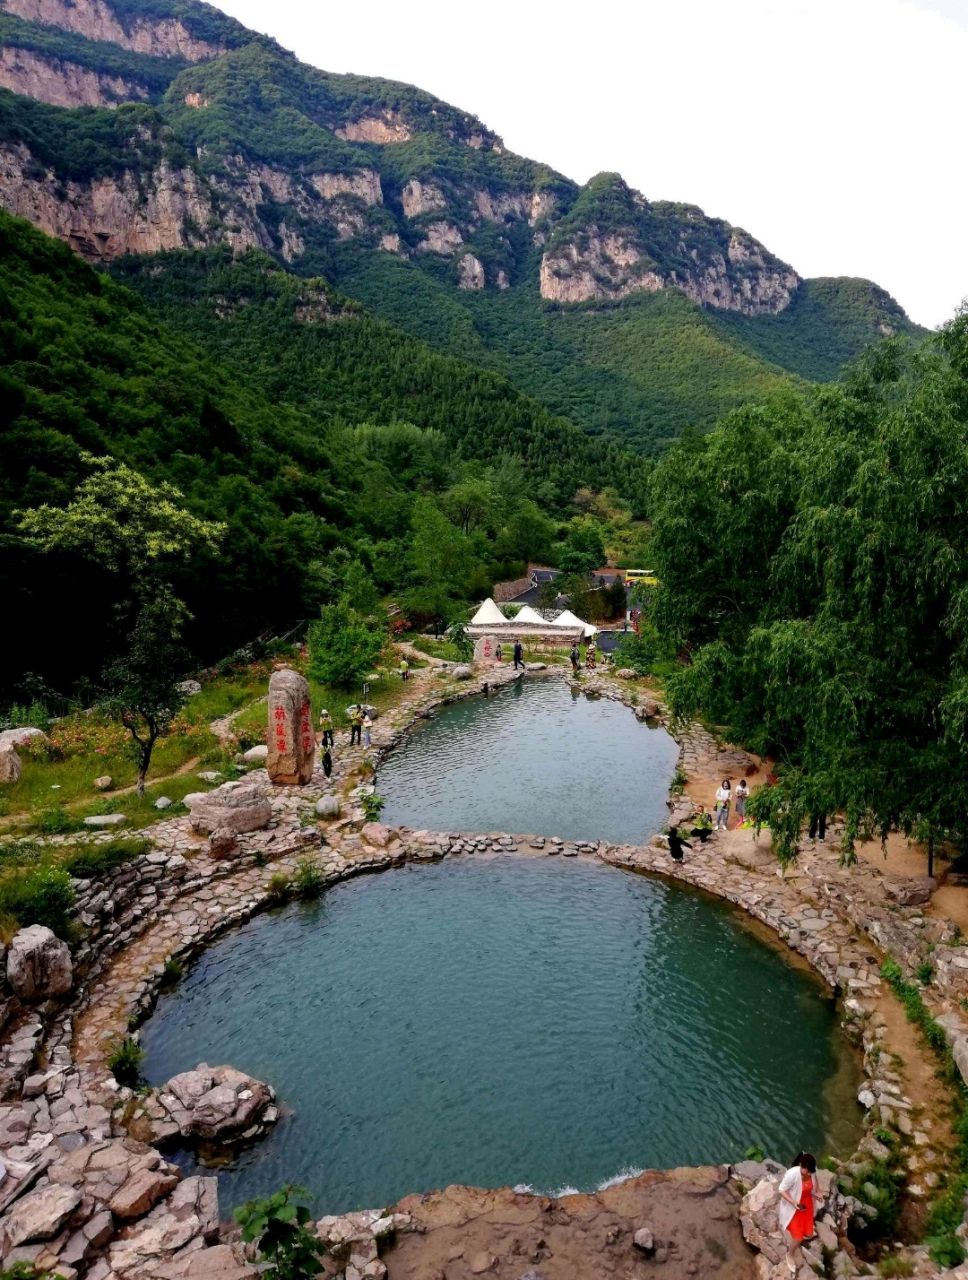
484, 649
292, 743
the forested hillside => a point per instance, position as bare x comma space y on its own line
633, 317
337, 442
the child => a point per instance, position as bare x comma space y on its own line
367, 726
742, 795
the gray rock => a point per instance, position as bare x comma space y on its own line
210, 775
292, 742
462, 672
104, 782
104, 820
189, 688
223, 843
238, 806
163, 802
644, 1239
328, 807
256, 754
39, 964
911, 893
11, 767
625, 673
40, 1215
20, 737
536, 666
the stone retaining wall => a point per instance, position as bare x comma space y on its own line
71, 1121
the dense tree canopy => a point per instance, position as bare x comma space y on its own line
814, 562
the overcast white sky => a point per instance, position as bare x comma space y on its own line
833, 130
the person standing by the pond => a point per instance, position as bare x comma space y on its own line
518, 655
326, 724
498, 654
723, 796
575, 657
367, 726
818, 825
356, 724
677, 844
799, 1196
742, 795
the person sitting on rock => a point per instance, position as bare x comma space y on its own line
704, 824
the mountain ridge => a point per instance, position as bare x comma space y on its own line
342, 176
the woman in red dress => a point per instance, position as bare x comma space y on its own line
799, 1196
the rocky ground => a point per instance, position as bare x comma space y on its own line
88, 1190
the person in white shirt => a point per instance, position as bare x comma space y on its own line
723, 797
367, 726
800, 1199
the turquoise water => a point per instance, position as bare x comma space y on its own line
508, 1020
535, 759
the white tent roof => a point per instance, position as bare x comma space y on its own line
527, 614
568, 619
488, 615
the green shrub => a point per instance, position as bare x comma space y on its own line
640, 650
284, 1240
309, 880
125, 1057
924, 972
173, 972
279, 887
893, 1267
55, 821
97, 860
41, 895
372, 806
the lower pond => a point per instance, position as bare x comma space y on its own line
512, 1020
534, 759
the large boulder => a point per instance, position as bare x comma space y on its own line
292, 743
40, 1215
911, 893
20, 737
39, 964
10, 766
256, 754
328, 807
462, 672
217, 1103
237, 806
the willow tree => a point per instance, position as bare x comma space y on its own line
814, 563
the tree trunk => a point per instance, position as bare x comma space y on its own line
145, 762
931, 853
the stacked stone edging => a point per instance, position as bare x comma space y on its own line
173, 902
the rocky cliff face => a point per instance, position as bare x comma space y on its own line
111, 216
178, 208
162, 37
615, 243
63, 84
383, 129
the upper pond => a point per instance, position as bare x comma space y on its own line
509, 1020
534, 759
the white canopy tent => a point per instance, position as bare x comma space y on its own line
527, 614
568, 619
489, 615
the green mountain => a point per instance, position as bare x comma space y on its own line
261, 434
632, 318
